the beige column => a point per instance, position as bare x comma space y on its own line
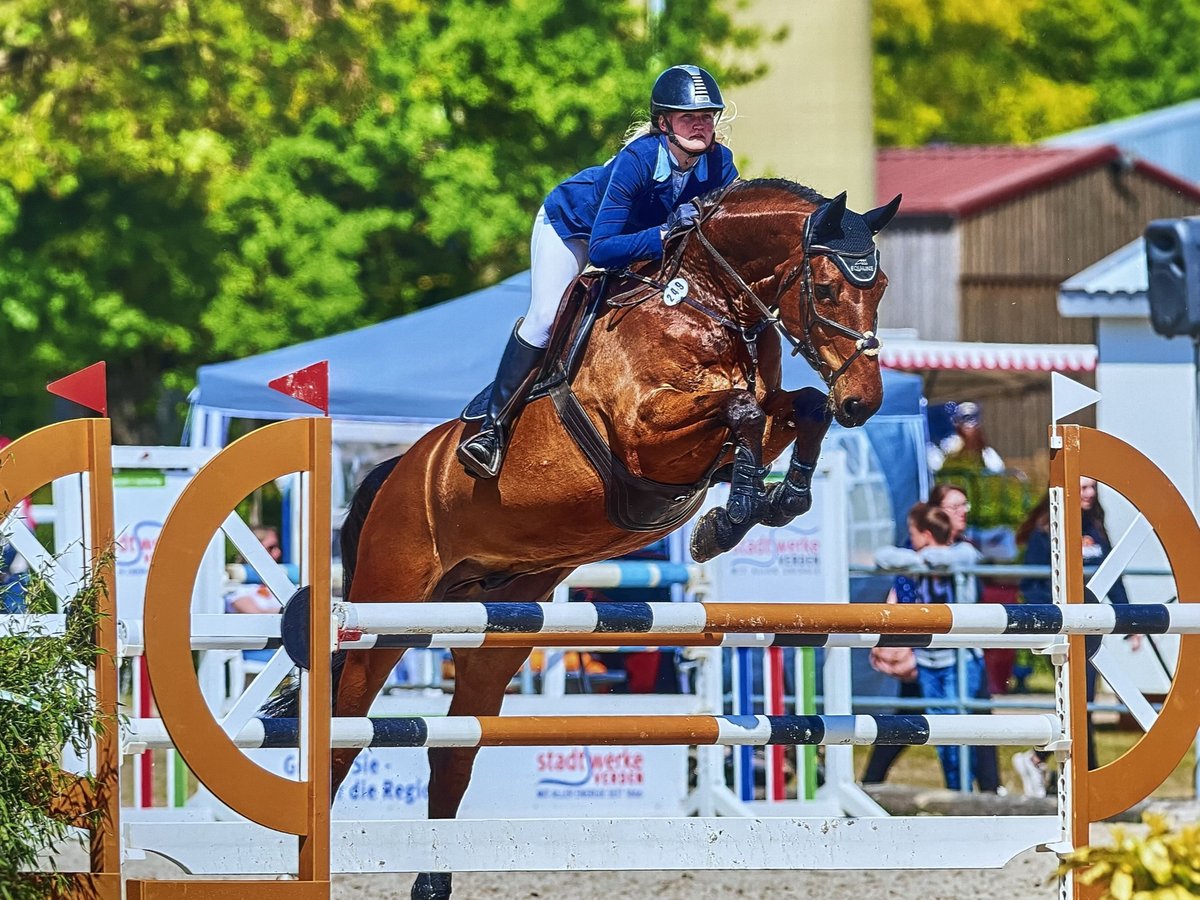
810, 118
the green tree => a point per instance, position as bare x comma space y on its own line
994, 71
184, 182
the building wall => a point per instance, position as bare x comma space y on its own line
1018, 311
921, 263
810, 118
1149, 400
1015, 255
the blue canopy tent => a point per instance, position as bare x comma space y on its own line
422, 367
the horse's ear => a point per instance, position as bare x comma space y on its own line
878, 218
827, 220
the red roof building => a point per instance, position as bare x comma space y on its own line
985, 236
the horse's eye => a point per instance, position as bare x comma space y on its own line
823, 292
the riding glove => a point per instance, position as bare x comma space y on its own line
684, 216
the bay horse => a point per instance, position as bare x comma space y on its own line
676, 386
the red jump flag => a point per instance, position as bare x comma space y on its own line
87, 387
308, 385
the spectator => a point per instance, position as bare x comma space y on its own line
1034, 533
930, 530
952, 499
14, 569
968, 446
900, 663
14, 577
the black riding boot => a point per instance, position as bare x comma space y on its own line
483, 454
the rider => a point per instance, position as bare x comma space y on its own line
610, 216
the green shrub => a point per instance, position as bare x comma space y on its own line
46, 705
1163, 865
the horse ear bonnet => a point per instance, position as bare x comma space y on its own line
845, 237
878, 218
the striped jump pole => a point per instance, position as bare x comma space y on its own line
569, 731
787, 618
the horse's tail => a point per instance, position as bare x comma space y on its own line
356, 516
286, 704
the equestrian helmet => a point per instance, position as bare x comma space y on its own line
685, 89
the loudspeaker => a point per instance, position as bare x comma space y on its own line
1173, 264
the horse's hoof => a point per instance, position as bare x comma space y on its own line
706, 540
432, 886
785, 503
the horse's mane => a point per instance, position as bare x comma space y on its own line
803, 191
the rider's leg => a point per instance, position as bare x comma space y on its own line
554, 264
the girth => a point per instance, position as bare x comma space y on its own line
631, 502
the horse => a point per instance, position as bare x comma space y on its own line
680, 378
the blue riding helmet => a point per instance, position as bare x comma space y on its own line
685, 89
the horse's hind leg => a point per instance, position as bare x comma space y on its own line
480, 679
720, 529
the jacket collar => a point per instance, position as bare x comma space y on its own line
662, 167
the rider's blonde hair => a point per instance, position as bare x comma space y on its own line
642, 127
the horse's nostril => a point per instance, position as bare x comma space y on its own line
851, 407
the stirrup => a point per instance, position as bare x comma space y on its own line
472, 455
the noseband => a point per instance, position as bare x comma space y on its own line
866, 343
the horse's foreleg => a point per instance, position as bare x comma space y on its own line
480, 679
793, 496
362, 677
720, 529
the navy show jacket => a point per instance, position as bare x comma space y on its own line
619, 208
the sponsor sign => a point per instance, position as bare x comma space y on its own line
140, 504
513, 782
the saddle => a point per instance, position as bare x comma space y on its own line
631, 502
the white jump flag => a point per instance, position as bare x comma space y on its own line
1068, 396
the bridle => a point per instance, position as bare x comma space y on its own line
866, 343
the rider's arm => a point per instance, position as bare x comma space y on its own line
610, 247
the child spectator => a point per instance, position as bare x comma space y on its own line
930, 530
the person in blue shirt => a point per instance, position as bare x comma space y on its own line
1096, 546
609, 216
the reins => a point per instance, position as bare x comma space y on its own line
866, 343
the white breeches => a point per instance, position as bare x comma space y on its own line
553, 264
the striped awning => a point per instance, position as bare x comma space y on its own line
923, 355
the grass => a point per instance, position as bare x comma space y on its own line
919, 766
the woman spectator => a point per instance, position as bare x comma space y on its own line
952, 499
1034, 533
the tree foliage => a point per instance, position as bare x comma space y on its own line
184, 182
993, 71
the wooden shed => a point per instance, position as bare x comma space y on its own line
983, 240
